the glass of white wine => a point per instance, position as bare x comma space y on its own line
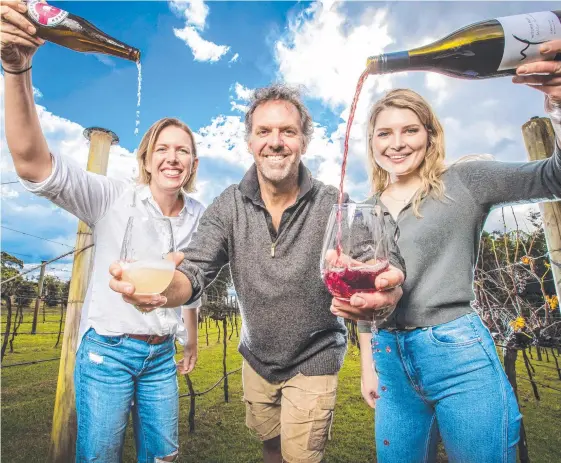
145, 258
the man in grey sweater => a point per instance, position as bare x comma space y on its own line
270, 229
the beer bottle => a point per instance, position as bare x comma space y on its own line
485, 49
71, 31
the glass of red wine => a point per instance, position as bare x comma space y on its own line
355, 251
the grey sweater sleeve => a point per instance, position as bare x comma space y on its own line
494, 184
207, 252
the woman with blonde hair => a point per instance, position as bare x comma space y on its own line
432, 368
125, 357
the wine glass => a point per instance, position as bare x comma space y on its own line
355, 251
145, 256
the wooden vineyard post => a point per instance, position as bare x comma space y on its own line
224, 368
539, 139
39, 296
509, 356
63, 434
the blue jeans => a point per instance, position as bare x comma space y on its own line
111, 372
446, 379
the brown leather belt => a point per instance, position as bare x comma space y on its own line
149, 338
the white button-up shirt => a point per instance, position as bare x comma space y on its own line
105, 204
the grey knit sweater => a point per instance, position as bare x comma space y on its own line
287, 326
440, 249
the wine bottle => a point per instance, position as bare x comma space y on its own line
71, 31
485, 49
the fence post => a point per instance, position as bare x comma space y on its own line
225, 370
63, 434
510, 354
539, 139
38, 300
8, 301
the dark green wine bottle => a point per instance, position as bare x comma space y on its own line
485, 49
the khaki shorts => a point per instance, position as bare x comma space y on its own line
300, 410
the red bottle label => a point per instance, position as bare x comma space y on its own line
44, 14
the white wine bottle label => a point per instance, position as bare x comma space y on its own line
523, 35
45, 15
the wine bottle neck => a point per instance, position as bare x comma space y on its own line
388, 62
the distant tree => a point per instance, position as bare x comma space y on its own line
53, 290
26, 293
10, 268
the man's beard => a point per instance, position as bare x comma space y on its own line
278, 175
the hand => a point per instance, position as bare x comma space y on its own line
369, 388
362, 305
142, 303
550, 82
18, 42
189, 360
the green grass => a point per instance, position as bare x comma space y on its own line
221, 436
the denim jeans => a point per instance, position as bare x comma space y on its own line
445, 379
111, 373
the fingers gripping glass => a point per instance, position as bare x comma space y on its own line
355, 251
145, 255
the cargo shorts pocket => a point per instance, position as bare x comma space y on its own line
263, 420
322, 421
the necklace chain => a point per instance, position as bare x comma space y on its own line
404, 201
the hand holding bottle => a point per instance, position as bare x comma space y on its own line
17, 36
544, 75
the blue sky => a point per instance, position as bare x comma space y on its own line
201, 59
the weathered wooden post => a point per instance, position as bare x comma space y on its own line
63, 434
38, 300
509, 356
224, 367
539, 138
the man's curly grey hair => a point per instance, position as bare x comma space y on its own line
280, 92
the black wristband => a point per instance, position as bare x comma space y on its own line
16, 72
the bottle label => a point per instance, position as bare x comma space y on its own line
45, 15
523, 35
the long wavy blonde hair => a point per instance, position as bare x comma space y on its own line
432, 166
146, 148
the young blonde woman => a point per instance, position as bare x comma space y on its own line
125, 356
432, 367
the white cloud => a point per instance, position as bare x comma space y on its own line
242, 93
202, 49
224, 139
7, 192
479, 136
439, 85
234, 58
195, 13
238, 107
495, 219
60, 270
321, 51
37, 93
207, 190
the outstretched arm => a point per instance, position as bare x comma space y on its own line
25, 138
